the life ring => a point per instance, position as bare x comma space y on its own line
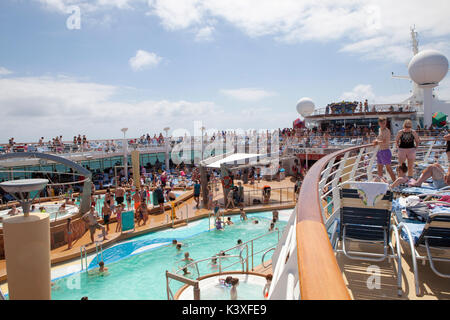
226, 182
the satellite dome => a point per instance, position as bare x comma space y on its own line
428, 67
305, 107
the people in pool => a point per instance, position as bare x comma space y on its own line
229, 222
187, 259
267, 286
243, 216
175, 242
233, 292
219, 224
102, 268
226, 282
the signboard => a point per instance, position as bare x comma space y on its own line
307, 150
127, 220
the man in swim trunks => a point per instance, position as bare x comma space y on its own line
91, 219
197, 188
384, 155
106, 212
137, 198
437, 173
120, 193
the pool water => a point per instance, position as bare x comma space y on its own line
51, 209
250, 287
136, 268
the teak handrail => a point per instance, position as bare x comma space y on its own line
319, 274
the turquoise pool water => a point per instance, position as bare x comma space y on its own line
136, 268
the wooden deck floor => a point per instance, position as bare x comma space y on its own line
358, 273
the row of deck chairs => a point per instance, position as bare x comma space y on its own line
377, 224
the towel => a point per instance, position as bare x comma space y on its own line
370, 192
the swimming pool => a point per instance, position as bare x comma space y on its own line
137, 266
51, 209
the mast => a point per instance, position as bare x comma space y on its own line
415, 42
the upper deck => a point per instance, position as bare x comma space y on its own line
373, 111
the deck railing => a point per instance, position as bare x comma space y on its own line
306, 245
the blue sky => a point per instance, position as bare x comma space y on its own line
230, 64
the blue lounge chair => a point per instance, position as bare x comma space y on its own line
434, 234
367, 224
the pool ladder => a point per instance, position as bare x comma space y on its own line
98, 252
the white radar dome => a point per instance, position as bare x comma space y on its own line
428, 67
305, 107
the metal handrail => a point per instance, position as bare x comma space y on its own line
262, 259
83, 249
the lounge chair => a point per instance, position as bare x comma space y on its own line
368, 224
434, 234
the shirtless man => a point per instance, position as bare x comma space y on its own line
384, 155
13, 211
137, 198
119, 193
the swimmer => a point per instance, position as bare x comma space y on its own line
62, 208
243, 215
187, 258
219, 224
255, 221
13, 211
267, 286
102, 268
186, 271
226, 282
233, 291
229, 222
213, 263
275, 215
176, 243
272, 226
178, 246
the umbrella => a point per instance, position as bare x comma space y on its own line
439, 119
299, 123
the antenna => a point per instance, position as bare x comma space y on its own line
415, 42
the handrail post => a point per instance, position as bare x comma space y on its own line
196, 292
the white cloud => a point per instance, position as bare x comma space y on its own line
365, 91
4, 71
204, 34
247, 94
144, 59
375, 29
52, 106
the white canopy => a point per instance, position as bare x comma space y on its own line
239, 158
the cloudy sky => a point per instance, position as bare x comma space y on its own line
94, 67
